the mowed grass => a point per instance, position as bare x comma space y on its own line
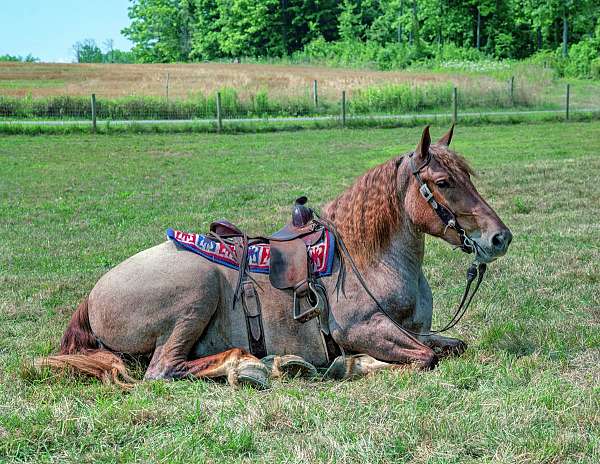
526, 390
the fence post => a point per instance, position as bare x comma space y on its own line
94, 113
454, 105
343, 108
511, 90
567, 102
219, 115
167, 87
315, 93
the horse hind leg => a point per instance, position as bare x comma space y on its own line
236, 365
172, 350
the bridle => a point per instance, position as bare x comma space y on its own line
447, 216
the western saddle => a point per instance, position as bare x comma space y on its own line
289, 270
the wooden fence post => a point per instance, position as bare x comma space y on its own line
343, 108
315, 93
511, 90
94, 113
454, 105
219, 115
167, 87
567, 102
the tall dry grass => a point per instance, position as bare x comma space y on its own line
185, 80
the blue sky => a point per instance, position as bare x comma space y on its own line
48, 28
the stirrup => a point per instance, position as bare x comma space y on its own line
315, 297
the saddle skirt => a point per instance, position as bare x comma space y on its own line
321, 254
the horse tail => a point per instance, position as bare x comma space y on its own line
81, 352
79, 338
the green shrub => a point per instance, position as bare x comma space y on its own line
581, 55
595, 69
407, 98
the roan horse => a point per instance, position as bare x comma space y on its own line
176, 308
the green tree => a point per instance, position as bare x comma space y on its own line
160, 30
24, 59
350, 23
305, 20
87, 51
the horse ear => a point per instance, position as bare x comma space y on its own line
447, 137
422, 150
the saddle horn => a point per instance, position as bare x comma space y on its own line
301, 214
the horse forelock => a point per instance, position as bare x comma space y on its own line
369, 212
455, 164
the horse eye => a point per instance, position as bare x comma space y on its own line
443, 183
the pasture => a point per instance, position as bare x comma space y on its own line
526, 390
120, 80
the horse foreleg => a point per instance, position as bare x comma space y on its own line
236, 365
357, 365
378, 337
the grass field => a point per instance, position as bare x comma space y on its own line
42, 91
119, 80
526, 390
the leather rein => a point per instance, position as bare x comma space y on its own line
447, 216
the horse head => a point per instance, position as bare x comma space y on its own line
442, 201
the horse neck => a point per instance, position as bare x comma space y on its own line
372, 219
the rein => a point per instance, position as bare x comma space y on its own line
447, 216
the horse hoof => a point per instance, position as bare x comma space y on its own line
338, 369
451, 349
289, 366
253, 374
295, 366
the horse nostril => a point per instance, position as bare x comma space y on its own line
497, 240
502, 239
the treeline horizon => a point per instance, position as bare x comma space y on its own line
382, 34
202, 30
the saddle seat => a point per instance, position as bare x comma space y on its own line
302, 227
289, 264
289, 261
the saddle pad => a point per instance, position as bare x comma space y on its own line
259, 255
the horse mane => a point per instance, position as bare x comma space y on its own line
370, 212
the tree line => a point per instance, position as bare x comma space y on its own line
88, 51
197, 30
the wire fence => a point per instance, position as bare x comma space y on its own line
226, 106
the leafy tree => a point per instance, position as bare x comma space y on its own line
384, 31
303, 21
159, 30
87, 51
350, 26
250, 28
24, 59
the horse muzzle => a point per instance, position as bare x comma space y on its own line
492, 245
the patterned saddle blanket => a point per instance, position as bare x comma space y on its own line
321, 254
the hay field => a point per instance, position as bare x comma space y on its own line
120, 80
